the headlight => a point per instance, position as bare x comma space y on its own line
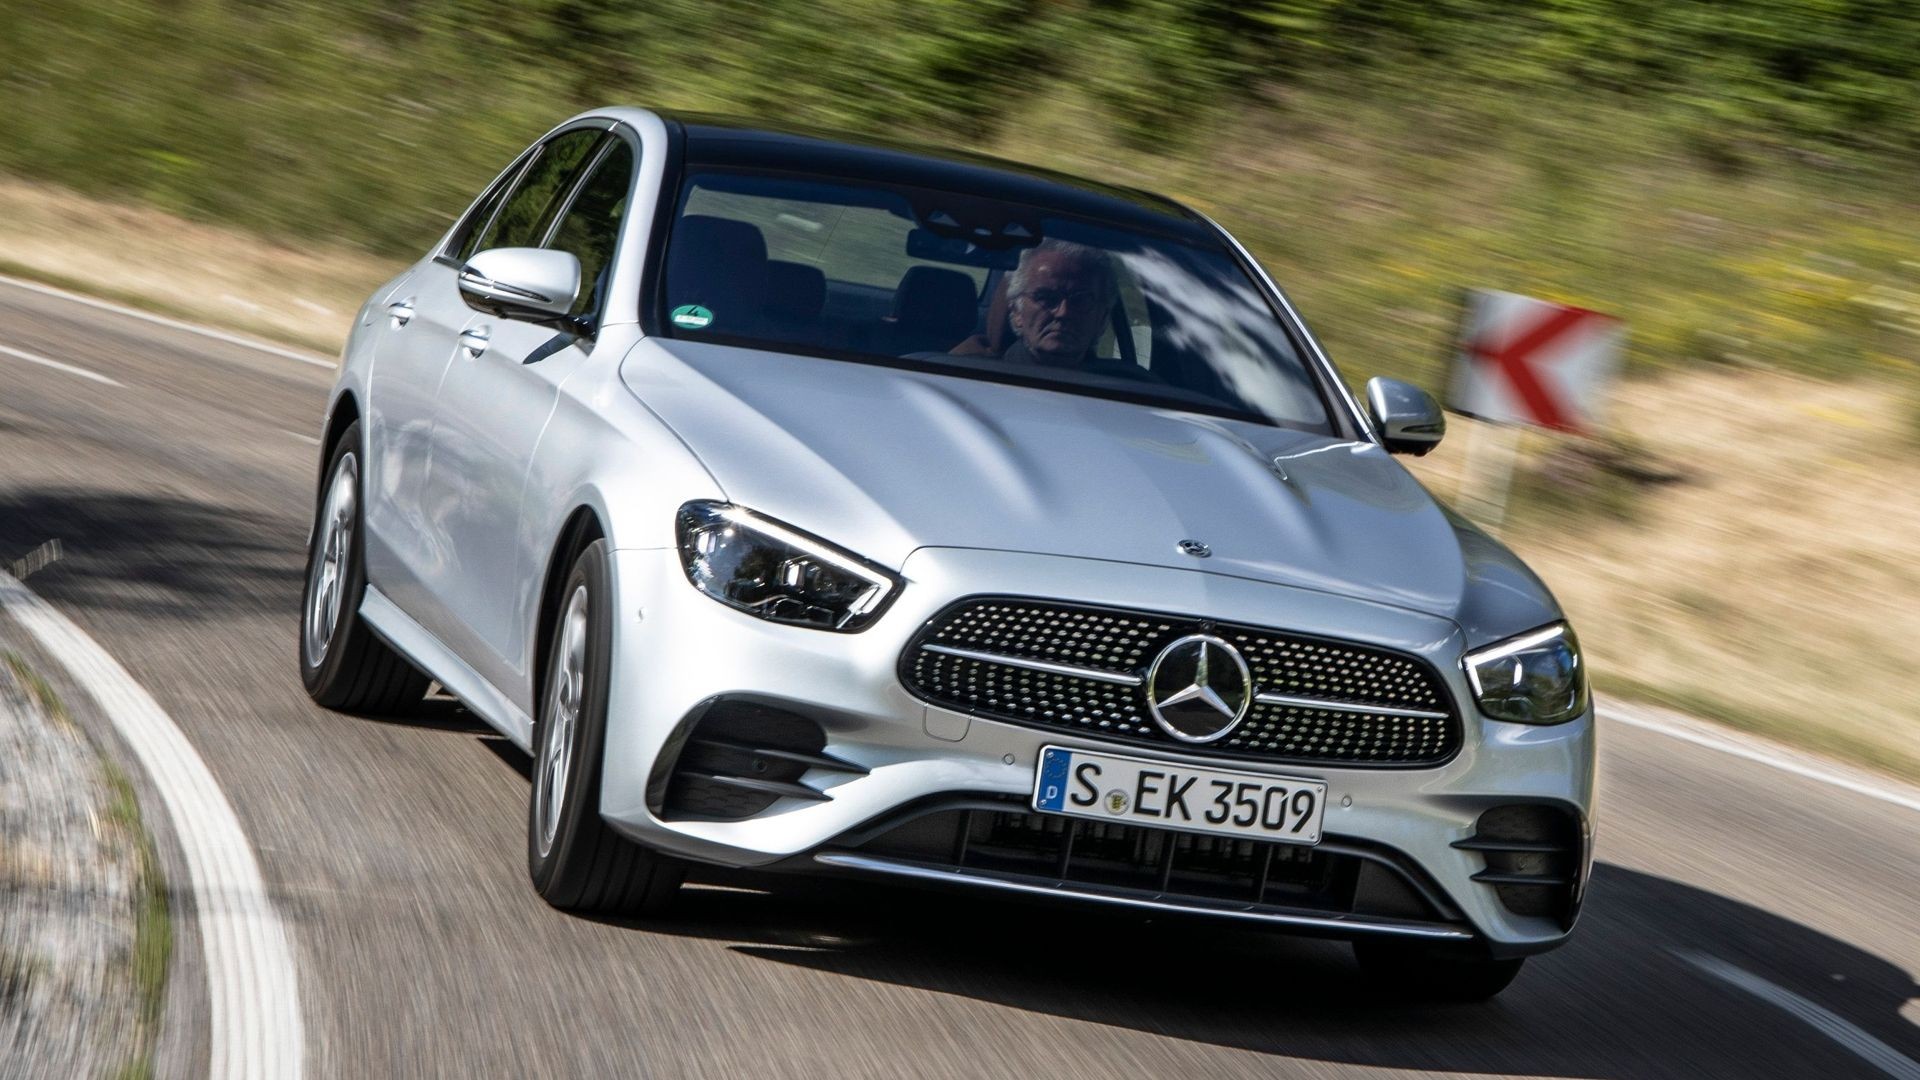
765, 568
1536, 678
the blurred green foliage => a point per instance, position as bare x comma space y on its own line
1732, 176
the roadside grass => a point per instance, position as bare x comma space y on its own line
1781, 725
153, 933
140, 301
146, 259
1762, 576
37, 688
1373, 202
1565, 485
1374, 208
153, 925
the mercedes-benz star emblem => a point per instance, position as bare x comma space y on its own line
1199, 688
1195, 548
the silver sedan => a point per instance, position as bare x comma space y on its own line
834, 507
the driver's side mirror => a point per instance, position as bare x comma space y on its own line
535, 284
1407, 417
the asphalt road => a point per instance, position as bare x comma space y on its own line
1743, 922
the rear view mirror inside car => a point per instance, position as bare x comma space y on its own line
933, 247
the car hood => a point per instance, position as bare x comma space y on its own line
884, 461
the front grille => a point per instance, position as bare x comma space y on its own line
1367, 706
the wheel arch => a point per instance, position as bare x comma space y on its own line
346, 411
583, 526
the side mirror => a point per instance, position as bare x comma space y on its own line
1407, 417
535, 284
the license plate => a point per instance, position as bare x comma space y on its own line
1108, 787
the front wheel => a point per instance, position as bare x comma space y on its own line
576, 861
1426, 972
342, 664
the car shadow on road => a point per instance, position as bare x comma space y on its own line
152, 554
1623, 999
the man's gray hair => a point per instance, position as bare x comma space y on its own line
1098, 261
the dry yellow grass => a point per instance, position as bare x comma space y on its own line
304, 296
1777, 587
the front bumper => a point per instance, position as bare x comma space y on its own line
677, 651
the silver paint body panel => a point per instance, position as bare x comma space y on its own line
475, 465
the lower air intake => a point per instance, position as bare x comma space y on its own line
740, 758
1534, 855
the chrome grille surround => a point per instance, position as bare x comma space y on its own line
1074, 667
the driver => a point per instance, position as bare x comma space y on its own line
1058, 300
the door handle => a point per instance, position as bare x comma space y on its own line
473, 342
401, 312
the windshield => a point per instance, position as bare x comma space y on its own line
961, 285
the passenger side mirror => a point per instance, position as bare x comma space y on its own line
535, 284
1407, 417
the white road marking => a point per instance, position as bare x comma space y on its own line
36, 560
1799, 763
1864, 1046
308, 439
176, 324
36, 358
251, 982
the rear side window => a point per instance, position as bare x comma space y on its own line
860, 245
591, 225
523, 219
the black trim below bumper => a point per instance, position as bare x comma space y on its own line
1305, 922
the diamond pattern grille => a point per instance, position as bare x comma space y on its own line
1127, 642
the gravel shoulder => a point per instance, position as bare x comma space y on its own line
85, 934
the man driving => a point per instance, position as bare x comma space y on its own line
1058, 300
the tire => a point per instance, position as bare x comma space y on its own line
576, 861
343, 664
1433, 973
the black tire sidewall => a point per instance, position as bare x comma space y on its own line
557, 872
324, 680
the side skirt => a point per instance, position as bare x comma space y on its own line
418, 645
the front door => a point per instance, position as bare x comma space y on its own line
422, 322
493, 406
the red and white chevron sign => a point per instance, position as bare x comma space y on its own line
1527, 361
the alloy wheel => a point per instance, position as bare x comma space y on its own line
556, 748
327, 574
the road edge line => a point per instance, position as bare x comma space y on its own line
1842, 1031
1775, 755
176, 324
255, 1025
49, 362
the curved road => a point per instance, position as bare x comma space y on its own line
1744, 921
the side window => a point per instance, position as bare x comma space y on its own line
523, 220
591, 225
862, 245
476, 223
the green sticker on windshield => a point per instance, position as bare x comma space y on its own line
691, 316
